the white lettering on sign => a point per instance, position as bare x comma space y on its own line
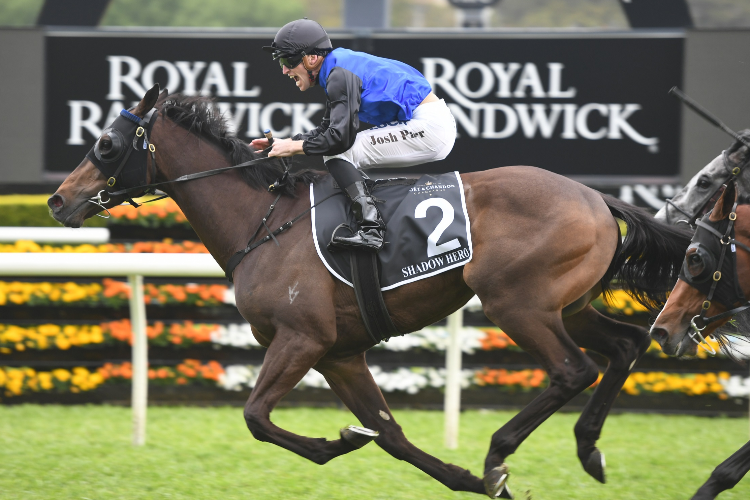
128, 75
515, 80
84, 115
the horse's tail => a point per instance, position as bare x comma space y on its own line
647, 263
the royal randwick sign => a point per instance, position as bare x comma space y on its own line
594, 105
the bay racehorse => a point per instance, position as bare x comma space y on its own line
712, 289
544, 248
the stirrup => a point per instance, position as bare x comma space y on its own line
359, 240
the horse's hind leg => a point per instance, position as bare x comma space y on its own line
570, 371
726, 475
622, 344
288, 359
351, 380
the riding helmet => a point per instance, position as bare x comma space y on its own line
298, 37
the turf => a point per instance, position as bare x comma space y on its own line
84, 452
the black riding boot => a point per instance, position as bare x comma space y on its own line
371, 230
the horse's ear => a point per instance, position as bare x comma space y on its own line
148, 102
162, 97
725, 203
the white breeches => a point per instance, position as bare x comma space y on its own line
428, 136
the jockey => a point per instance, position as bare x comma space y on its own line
411, 125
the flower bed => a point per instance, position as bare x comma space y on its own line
162, 213
109, 293
165, 246
239, 335
24, 381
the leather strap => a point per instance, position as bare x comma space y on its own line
366, 280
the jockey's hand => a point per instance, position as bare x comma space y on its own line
286, 147
259, 144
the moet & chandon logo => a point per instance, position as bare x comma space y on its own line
478, 118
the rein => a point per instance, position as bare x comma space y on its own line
142, 131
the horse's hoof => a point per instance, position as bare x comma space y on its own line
505, 492
595, 466
495, 482
357, 436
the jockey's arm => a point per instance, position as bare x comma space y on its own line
344, 90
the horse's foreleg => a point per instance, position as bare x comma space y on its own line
351, 380
622, 344
289, 357
726, 475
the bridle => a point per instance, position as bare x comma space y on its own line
712, 241
127, 134
137, 164
130, 129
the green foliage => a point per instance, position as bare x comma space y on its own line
73, 452
559, 14
19, 12
197, 13
720, 13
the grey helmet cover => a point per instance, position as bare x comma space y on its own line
303, 36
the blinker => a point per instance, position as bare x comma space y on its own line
125, 162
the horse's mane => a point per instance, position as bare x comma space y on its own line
199, 115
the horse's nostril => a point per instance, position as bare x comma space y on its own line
55, 202
660, 335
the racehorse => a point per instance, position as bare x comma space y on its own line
544, 248
702, 191
711, 290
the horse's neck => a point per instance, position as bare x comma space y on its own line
223, 210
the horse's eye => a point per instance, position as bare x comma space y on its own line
695, 260
704, 184
105, 144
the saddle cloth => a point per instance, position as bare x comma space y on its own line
427, 227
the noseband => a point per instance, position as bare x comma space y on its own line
712, 242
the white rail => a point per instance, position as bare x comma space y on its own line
135, 266
109, 264
64, 235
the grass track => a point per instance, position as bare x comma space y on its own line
84, 452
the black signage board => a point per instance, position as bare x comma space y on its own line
585, 105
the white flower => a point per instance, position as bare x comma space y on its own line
736, 386
235, 335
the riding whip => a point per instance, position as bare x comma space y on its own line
706, 114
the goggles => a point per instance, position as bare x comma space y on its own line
290, 62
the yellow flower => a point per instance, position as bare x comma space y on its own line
62, 343
45, 380
49, 330
14, 387
97, 337
96, 379
61, 375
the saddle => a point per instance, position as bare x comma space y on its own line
427, 233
